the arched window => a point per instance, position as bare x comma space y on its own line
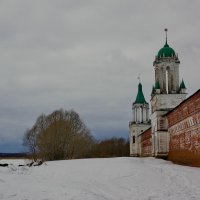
167, 79
133, 139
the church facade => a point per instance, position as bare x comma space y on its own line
151, 136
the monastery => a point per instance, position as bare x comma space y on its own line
158, 136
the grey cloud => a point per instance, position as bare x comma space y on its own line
86, 55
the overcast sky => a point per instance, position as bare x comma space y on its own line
86, 55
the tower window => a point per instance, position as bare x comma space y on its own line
133, 139
167, 79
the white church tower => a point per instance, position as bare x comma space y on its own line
166, 95
140, 121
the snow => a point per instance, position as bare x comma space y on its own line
100, 179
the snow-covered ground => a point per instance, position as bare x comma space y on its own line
100, 179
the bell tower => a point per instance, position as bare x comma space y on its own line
166, 66
166, 94
140, 121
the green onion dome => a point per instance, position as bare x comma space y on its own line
166, 51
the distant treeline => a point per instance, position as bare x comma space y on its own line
63, 135
114, 147
14, 155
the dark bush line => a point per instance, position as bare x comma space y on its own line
4, 165
34, 164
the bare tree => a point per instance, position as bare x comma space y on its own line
60, 135
29, 140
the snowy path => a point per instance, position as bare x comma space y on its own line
101, 179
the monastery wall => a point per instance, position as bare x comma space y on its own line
184, 131
146, 143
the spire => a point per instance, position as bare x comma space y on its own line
140, 96
166, 45
166, 34
139, 78
182, 85
182, 88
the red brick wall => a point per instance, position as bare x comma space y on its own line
146, 143
184, 131
186, 109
